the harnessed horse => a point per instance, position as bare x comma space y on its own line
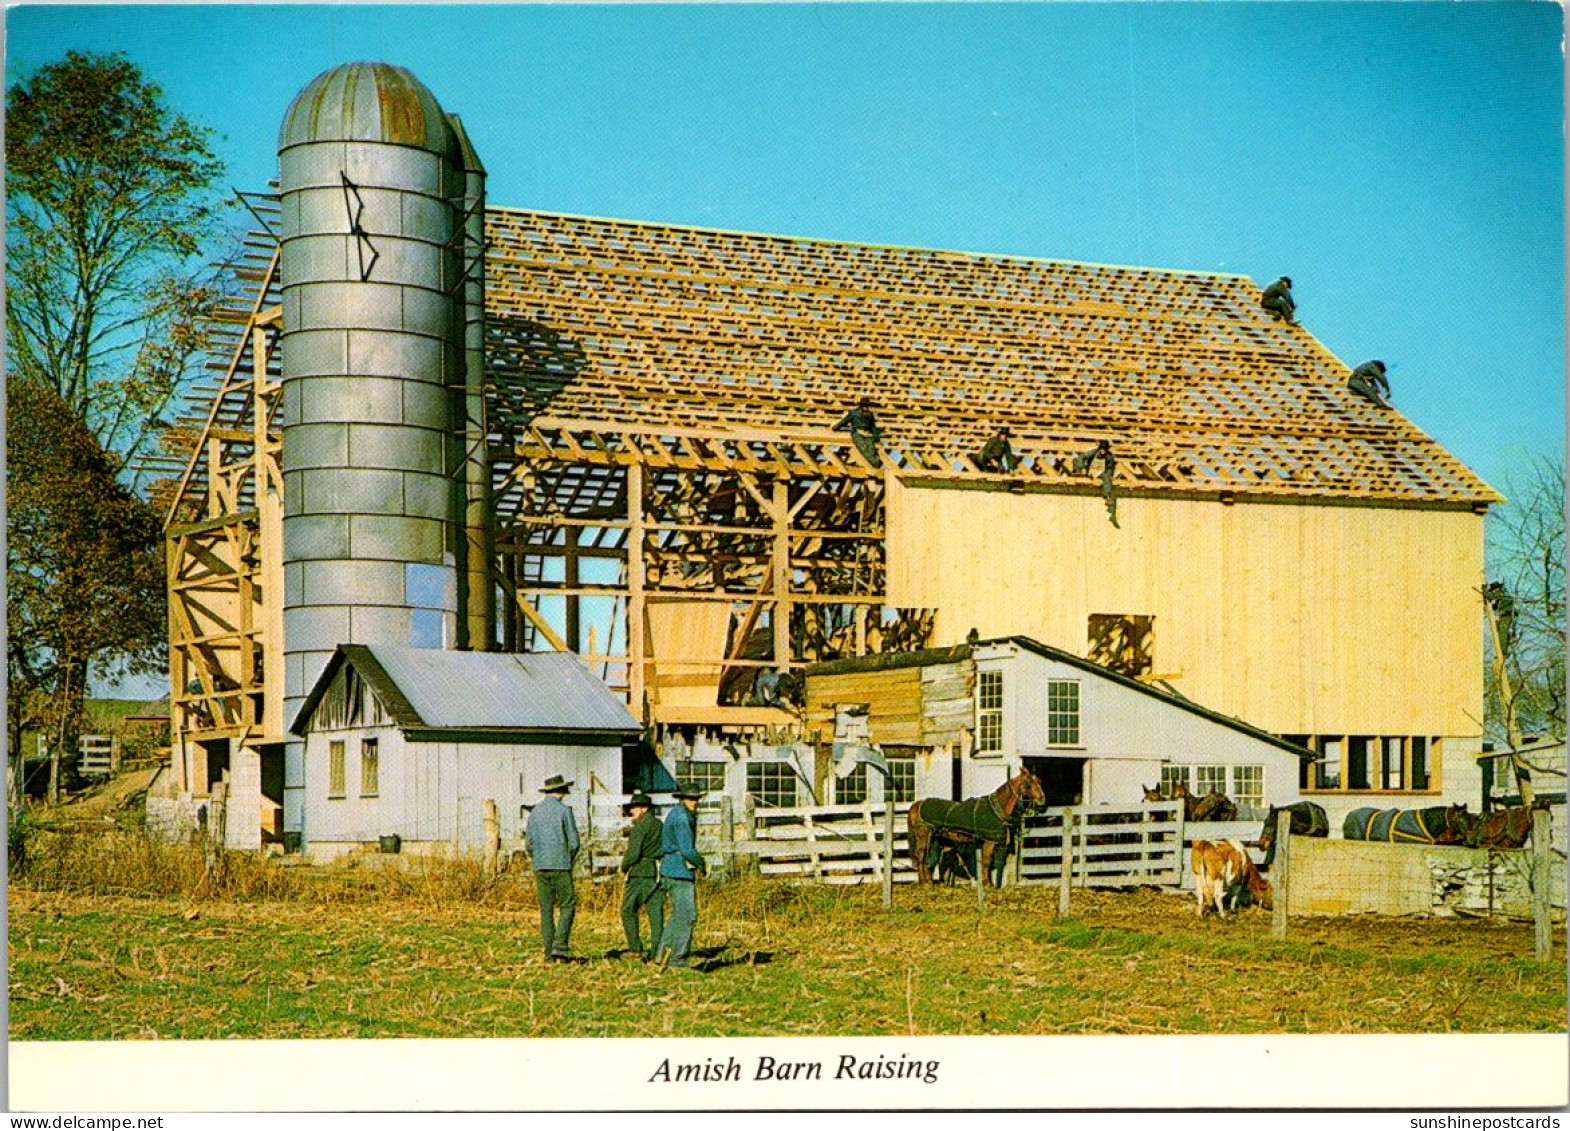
1503, 828
985, 821
1438, 824
1308, 819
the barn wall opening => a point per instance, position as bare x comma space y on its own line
1062, 779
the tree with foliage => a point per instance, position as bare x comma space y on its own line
109, 197
84, 572
1526, 591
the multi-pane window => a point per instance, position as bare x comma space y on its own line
1171, 776
370, 767
335, 775
902, 780
706, 777
1368, 762
1063, 712
1248, 789
771, 784
989, 712
852, 788
1210, 779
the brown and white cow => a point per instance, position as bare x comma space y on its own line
1222, 869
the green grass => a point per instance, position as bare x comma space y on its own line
431, 961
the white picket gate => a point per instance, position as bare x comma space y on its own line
833, 844
1108, 847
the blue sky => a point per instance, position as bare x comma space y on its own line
1403, 162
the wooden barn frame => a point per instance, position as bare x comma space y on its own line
673, 500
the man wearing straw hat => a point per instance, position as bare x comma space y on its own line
552, 836
641, 862
680, 866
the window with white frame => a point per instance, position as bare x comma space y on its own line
1248, 789
1210, 779
1171, 776
852, 788
706, 777
335, 769
772, 784
989, 712
902, 780
1063, 712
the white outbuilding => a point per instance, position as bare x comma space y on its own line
409, 749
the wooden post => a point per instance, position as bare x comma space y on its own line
1281, 872
1542, 885
637, 623
493, 835
1066, 863
888, 850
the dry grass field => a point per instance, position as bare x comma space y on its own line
113, 938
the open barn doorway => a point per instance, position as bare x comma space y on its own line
1062, 779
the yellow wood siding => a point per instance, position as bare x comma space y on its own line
893, 698
1298, 619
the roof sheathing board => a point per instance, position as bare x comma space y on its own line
662, 327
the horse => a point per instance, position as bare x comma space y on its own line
1438, 824
1211, 807
1308, 819
1503, 828
988, 821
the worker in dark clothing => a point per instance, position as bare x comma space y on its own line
1082, 466
1277, 299
864, 431
998, 454
1503, 605
1368, 381
641, 863
680, 866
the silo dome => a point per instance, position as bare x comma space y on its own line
375, 102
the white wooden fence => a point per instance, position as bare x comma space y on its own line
1107, 847
97, 755
833, 844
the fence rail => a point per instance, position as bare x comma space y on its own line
835, 844
97, 755
1107, 847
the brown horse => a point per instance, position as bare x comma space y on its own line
1211, 807
1503, 828
984, 821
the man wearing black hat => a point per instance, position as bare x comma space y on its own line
1369, 382
552, 836
680, 866
1277, 299
641, 862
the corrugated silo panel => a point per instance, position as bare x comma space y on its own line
405, 447
315, 536
344, 491
318, 445
394, 355
400, 539
376, 400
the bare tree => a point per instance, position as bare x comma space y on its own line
1526, 594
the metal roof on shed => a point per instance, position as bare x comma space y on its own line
429, 689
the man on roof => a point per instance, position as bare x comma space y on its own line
998, 454
1368, 381
863, 429
1277, 299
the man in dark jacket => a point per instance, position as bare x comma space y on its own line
680, 866
641, 863
998, 454
1368, 381
1277, 299
552, 836
863, 429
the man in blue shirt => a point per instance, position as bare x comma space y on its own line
552, 836
680, 866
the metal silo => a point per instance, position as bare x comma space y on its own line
373, 191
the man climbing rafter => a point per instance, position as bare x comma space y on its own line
1082, 466
998, 454
863, 429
